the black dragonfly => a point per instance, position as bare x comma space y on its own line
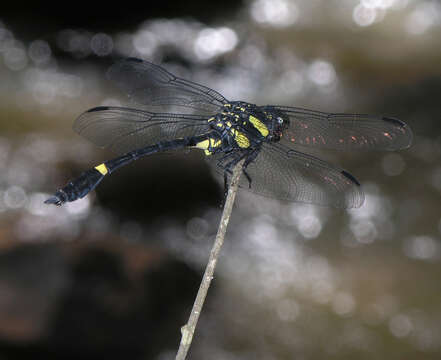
267, 138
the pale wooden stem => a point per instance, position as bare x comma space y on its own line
188, 329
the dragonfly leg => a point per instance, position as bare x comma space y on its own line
225, 183
250, 158
226, 186
230, 165
227, 171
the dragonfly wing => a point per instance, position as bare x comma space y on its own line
151, 85
285, 174
291, 175
125, 129
344, 131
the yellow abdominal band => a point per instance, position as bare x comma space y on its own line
102, 169
207, 145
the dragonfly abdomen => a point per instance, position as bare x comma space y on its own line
88, 180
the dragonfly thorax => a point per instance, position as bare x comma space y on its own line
257, 124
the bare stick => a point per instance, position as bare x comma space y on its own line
188, 329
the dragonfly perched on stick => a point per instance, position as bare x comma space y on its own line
265, 137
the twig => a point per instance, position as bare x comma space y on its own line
188, 329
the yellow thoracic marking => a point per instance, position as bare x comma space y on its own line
259, 125
210, 119
229, 124
241, 139
102, 168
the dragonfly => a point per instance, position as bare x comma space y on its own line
173, 113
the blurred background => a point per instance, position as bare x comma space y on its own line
114, 275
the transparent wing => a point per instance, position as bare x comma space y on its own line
152, 85
344, 131
285, 174
125, 129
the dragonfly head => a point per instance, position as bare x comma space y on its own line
278, 122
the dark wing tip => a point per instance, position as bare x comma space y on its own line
394, 121
98, 108
354, 199
134, 59
350, 177
407, 139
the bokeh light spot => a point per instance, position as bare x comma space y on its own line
364, 16
343, 304
400, 325
425, 15
15, 58
422, 247
322, 72
40, 52
79, 207
145, 42
197, 228
211, 42
15, 197
277, 13
101, 44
